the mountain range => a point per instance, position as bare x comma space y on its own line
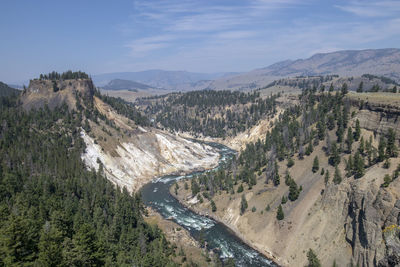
119, 84
175, 80
383, 62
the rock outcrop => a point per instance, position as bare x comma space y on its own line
55, 93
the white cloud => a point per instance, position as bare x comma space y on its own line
372, 8
140, 47
239, 38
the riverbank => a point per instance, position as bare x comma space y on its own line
188, 249
184, 200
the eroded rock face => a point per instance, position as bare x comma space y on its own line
148, 155
371, 220
378, 117
55, 93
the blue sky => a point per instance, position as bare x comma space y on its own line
199, 36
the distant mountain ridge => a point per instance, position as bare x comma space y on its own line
158, 78
346, 63
383, 62
6, 90
119, 84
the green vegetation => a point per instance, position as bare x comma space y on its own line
337, 177
243, 205
279, 214
6, 90
207, 112
213, 206
313, 260
126, 109
68, 75
55, 212
315, 166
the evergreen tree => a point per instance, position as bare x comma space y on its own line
315, 166
361, 148
334, 158
280, 215
357, 132
326, 178
337, 177
313, 260
240, 188
344, 89
358, 165
349, 166
360, 87
309, 148
290, 162
331, 88
381, 149
213, 206
276, 175
387, 180
391, 148
294, 190
349, 140
243, 205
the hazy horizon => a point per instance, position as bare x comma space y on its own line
194, 36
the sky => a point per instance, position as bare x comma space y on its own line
198, 36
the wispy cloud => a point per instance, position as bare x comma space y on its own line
140, 47
240, 35
180, 20
372, 8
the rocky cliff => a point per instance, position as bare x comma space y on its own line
55, 93
356, 221
131, 155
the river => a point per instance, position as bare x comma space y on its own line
218, 237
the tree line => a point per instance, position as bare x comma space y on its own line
54, 211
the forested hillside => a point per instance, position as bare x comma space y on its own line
210, 113
55, 212
6, 90
318, 148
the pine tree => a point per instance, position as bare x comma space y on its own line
213, 206
344, 89
326, 178
368, 148
334, 158
337, 177
240, 188
391, 148
313, 260
331, 88
290, 162
349, 166
321, 128
360, 87
294, 190
280, 215
309, 148
349, 140
243, 205
381, 149
387, 180
358, 165
357, 132
361, 148
276, 174
315, 166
